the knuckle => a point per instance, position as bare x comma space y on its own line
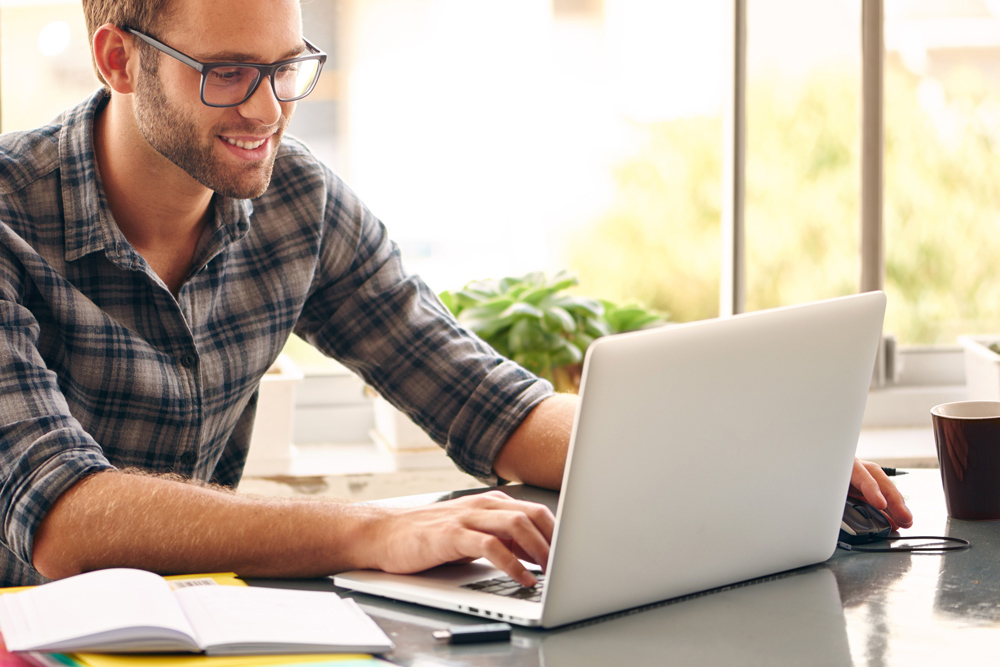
490, 544
521, 521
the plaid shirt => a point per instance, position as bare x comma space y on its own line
102, 367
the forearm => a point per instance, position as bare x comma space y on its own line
115, 519
536, 452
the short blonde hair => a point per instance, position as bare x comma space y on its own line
142, 15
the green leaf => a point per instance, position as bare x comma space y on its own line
493, 308
536, 362
536, 296
566, 354
520, 309
487, 327
450, 302
646, 321
563, 280
499, 343
534, 279
526, 335
517, 291
508, 284
468, 297
485, 288
630, 319
579, 305
559, 320
582, 341
596, 327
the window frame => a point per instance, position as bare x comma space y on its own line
933, 371
910, 377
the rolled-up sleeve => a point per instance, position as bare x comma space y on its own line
44, 449
391, 329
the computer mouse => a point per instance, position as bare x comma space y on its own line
862, 523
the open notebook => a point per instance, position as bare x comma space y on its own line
125, 610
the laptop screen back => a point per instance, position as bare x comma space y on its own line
710, 453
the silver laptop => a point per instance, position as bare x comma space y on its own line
702, 455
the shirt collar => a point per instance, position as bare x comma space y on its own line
89, 225
88, 221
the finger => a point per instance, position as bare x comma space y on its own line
863, 479
540, 515
523, 555
895, 506
514, 528
494, 550
880, 492
899, 514
473, 545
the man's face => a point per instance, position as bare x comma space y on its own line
201, 140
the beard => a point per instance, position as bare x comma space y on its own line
174, 135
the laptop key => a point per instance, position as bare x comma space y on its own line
507, 587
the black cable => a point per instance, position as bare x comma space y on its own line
958, 544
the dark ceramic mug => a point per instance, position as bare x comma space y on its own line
967, 434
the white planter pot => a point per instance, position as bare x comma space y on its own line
982, 368
404, 442
397, 430
271, 449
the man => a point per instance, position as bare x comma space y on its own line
158, 244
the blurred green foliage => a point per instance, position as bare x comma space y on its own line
532, 320
660, 241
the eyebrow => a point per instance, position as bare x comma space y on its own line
243, 57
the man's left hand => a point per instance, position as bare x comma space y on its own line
869, 481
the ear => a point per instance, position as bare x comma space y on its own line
117, 57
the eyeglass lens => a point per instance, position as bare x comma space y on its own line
232, 84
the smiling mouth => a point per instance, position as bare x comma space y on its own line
246, 145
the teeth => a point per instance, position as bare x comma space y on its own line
247, 145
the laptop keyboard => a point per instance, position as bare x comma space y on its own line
507, 587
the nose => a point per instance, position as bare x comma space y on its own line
262, 106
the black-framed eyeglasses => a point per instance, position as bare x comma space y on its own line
231, 84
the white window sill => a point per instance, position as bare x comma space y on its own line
899, 447
333, 423
353, 472
911, 447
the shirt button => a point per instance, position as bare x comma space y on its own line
189, 458
188, 360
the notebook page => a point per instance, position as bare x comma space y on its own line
95, 610
233, 620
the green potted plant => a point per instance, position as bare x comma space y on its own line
533, 321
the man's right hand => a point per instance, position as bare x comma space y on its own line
490, 525
114, 519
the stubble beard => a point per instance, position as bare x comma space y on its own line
174, 135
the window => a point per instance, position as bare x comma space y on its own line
45, 64
497, 137
802, 156
942, 141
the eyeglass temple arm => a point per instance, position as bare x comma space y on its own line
184, 58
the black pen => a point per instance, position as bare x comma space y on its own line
892, 472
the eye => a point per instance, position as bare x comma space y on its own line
228, 76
